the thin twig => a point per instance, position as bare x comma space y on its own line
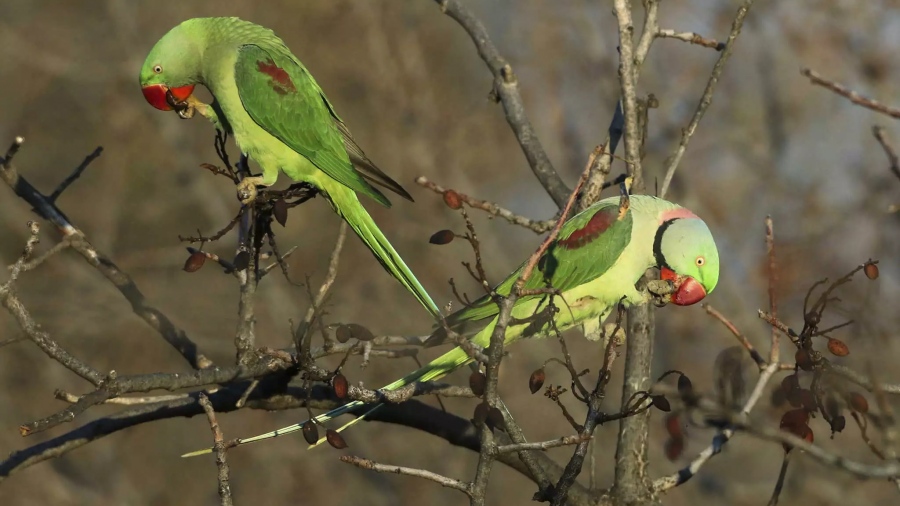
888, 150
849, 94
506, 88
692, 38
706, 98
760, 361
408, 471
75, 174
536, 226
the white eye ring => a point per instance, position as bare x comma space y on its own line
700, 261
157, 69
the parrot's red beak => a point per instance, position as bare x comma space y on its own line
156, 95
688, 290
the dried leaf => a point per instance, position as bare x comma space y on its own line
280, 211
442, 237
194, 262
536, 380
310, 432
335, 439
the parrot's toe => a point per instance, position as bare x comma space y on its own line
246, 193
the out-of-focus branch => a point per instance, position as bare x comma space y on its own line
175, 336
692, 38
849, 94
888, 150
506, 88
706, 98
536, 226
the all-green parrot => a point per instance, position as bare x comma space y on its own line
278, 116
595, 262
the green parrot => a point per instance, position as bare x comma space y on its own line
278, 116
595, 262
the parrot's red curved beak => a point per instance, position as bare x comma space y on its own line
688, 290
156, 95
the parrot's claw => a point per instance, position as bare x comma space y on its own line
246, 189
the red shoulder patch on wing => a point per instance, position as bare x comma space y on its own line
280, 80
599, 223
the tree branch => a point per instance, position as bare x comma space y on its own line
506, 88
706, 98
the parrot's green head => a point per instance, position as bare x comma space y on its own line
686, 254
173, 66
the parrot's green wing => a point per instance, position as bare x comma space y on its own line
283, 98
587, 246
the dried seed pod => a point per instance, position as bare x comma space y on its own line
357, 331
536, 380
241, 261
477, 382
661, 403
452, 199
837, 424
674, 448
343, 333
871, 270
803, 360
838, 348
442, 237
790, 383
778, 397
194, 262
280, 211
858, 403
340, 385
685, 387
673, 426
795, 422
807, 399
495, 419
335, 439
481, 414
310, 432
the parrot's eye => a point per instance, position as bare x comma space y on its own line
700, 261
157, 69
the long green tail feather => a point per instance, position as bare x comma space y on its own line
435, 369
348, 206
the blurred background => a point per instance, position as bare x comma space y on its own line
409, 84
